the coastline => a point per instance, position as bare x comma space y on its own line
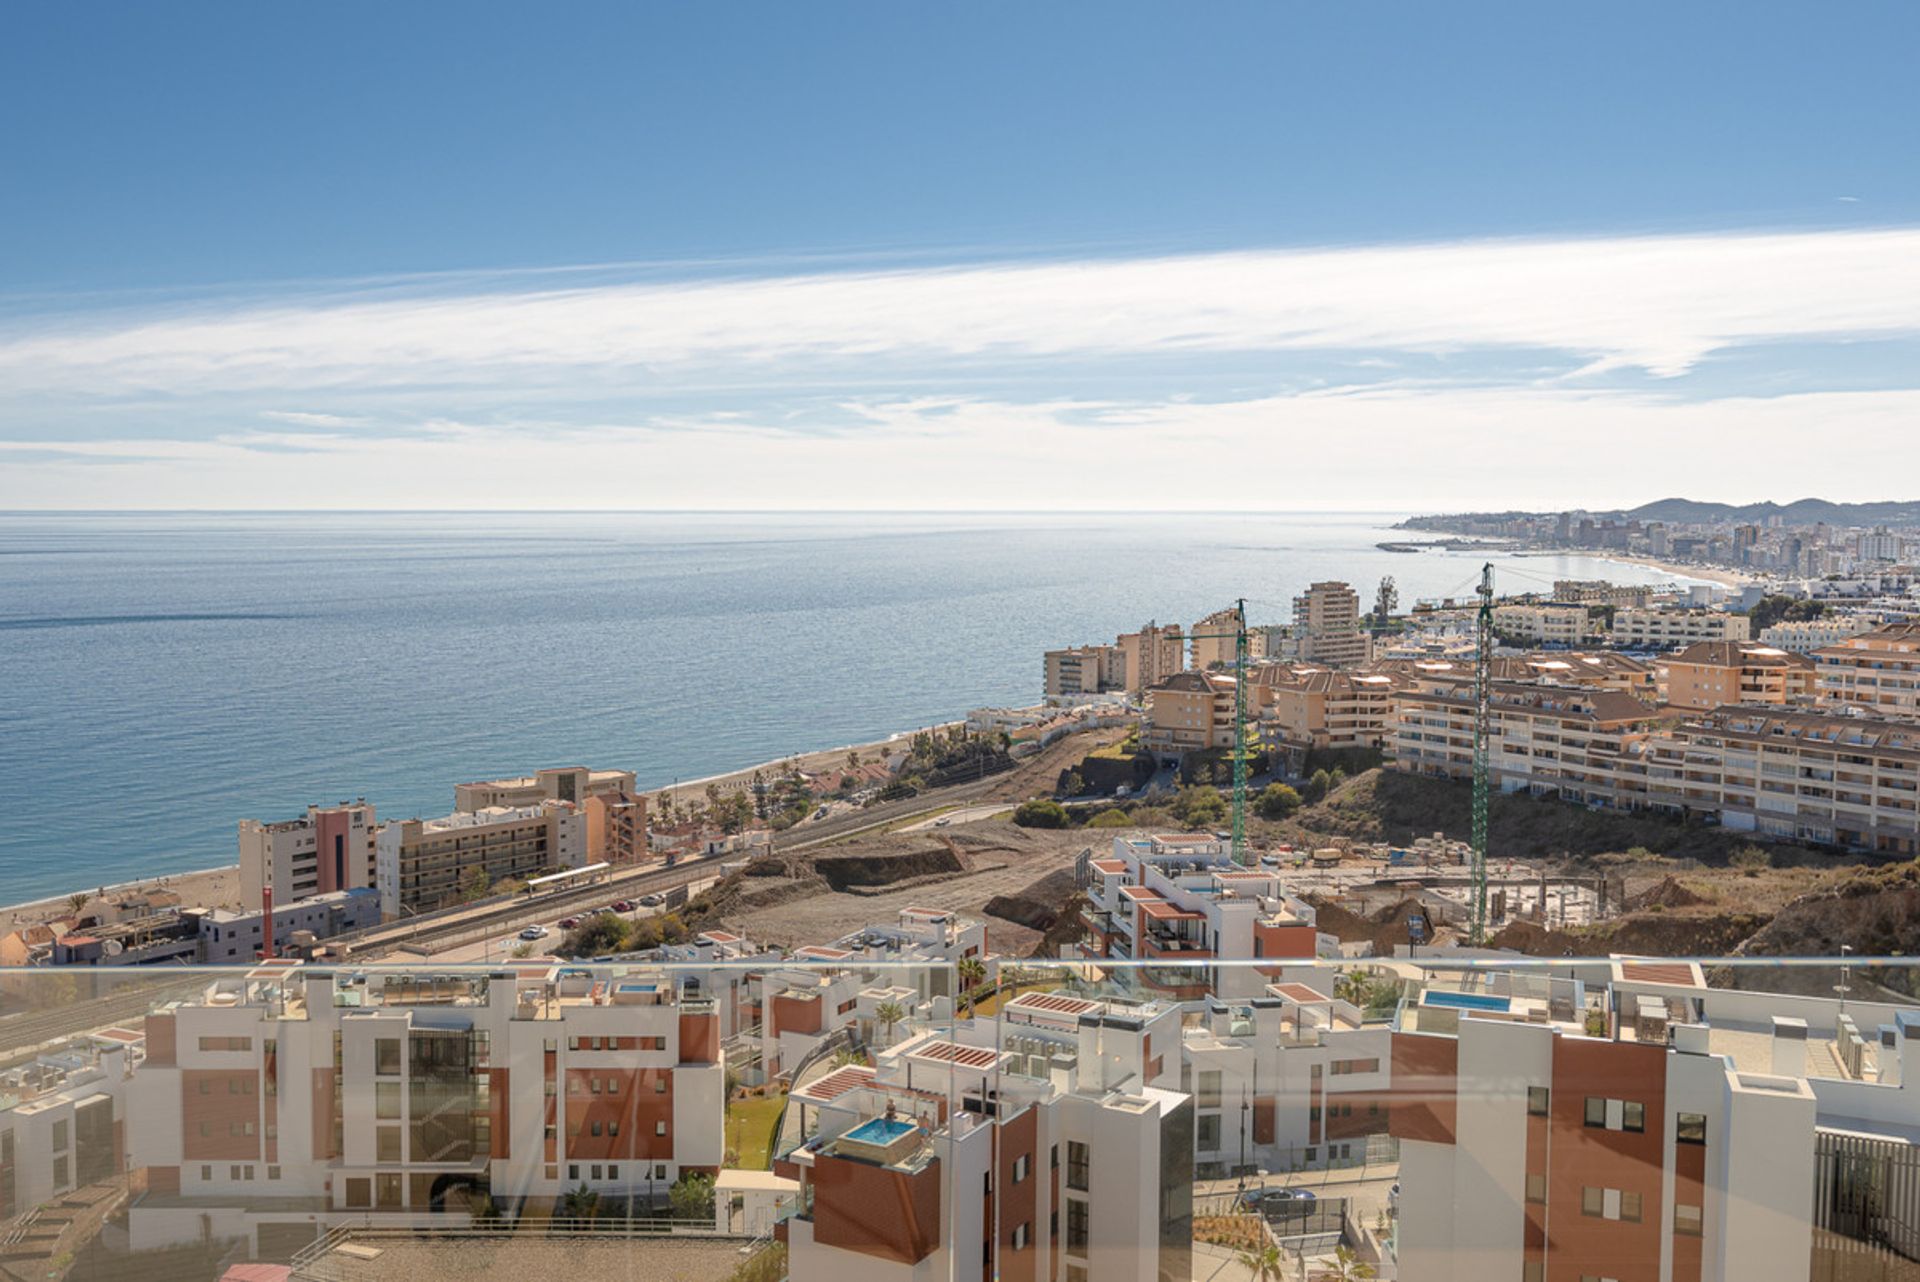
220, 887
1710, 573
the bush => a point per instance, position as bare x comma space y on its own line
1041, 812
1198, 806
1318, 785
1277, 801
1111, 819
1751, 859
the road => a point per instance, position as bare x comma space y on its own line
499, 944
964, 815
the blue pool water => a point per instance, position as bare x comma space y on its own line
1468, 1001
879, 1132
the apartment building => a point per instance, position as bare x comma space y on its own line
63, 1119
1670, 629
1150, 656
1326, 625
1592, 669
616, 827
1214, 640
1565, 741
1183, 901
1601, 592
427, 864
1708, 674
572, 784
1877, 672
1642, 1125
1084, 670
1307, 706
1568, 625
1798, 775
1804, 636
273, 1106
1063, 1155
329, 848
1190, 712
240, 938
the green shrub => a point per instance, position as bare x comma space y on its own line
1041, 812
1277, 801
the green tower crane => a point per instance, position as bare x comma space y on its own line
1242, 655
1482, 750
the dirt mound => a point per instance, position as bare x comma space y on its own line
1667, 893
1385, 928
1875, 912
847, 872
1039, 906
1648, 933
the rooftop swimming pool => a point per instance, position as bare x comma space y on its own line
879, 1131
1467, 1001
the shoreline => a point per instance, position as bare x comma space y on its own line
1725, 578
219, 887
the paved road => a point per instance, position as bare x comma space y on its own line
964, 815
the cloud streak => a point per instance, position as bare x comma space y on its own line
1655, 303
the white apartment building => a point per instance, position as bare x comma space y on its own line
63, 1117
1568, 625
1666, 629
279, 1104
572, 784
427, 864
329, 848
1060, 1152
1877, 672
1804, 636
1182, 900
1326, 626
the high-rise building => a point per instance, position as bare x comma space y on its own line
428, 864
327, 849
1326, 620
1151, 655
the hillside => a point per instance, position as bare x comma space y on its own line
1682, 511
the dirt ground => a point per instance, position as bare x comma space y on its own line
995, 859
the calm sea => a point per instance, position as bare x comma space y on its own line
164, 676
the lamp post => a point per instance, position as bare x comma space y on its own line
1845, 985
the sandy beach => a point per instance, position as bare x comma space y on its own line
220, 887
1711, 573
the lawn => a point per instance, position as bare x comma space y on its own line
750, 1124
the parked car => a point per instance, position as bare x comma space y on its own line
652, 901
534, 932
568, 923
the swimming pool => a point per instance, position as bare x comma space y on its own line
1467, 1001
880, 1131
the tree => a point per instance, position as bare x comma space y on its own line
1115, 818
853, 759
889, 1013
1347, 1267
1318, 785
1385, 600
579, 1204
1198, 806
475, 885
1264, 1263
691, 1197
1277, 801
973, 973
598, 935
77, 901
1041, 812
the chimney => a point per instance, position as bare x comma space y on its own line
1789, 1047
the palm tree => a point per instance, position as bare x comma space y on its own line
77, 901
973, 972
1347, 1267
580, 1204
1264, 1263
889, 1013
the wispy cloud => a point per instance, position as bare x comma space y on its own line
1655, 303
301, 418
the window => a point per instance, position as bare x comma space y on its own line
1536, 1188
659, 1128
1076, 1273
273, 1172
1346, 1067
660, 1085
359, 1191
596, 1130
613, 1128
60, 1134
1596, 1110
1022, 1234
1533, 1271
206, 1173
1209, 1092
387, 1146
1537, 1101
1206, 1136
1593, 1201
226, 1043
1690, 1128
1076, 1226
1686, 1220
1630, 1207
386, 1056
1021, 1165
386, 1101
1077, 1166
573, 1171
1054, 1158
594, 1174
1633, 1117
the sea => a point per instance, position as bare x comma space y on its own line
164, 676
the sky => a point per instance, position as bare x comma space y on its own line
1065, 256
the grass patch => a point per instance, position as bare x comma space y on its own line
750, 1124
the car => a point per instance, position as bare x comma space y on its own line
568, 923
942, 822
534, 932
1286, 1200
652, 901
623, 905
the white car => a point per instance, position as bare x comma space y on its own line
534, 932
942, 822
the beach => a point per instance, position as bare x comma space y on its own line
1712, 573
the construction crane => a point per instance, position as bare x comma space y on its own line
1241, 656
1482, 750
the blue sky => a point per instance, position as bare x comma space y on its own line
891, 255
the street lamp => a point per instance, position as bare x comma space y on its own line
1845, 985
